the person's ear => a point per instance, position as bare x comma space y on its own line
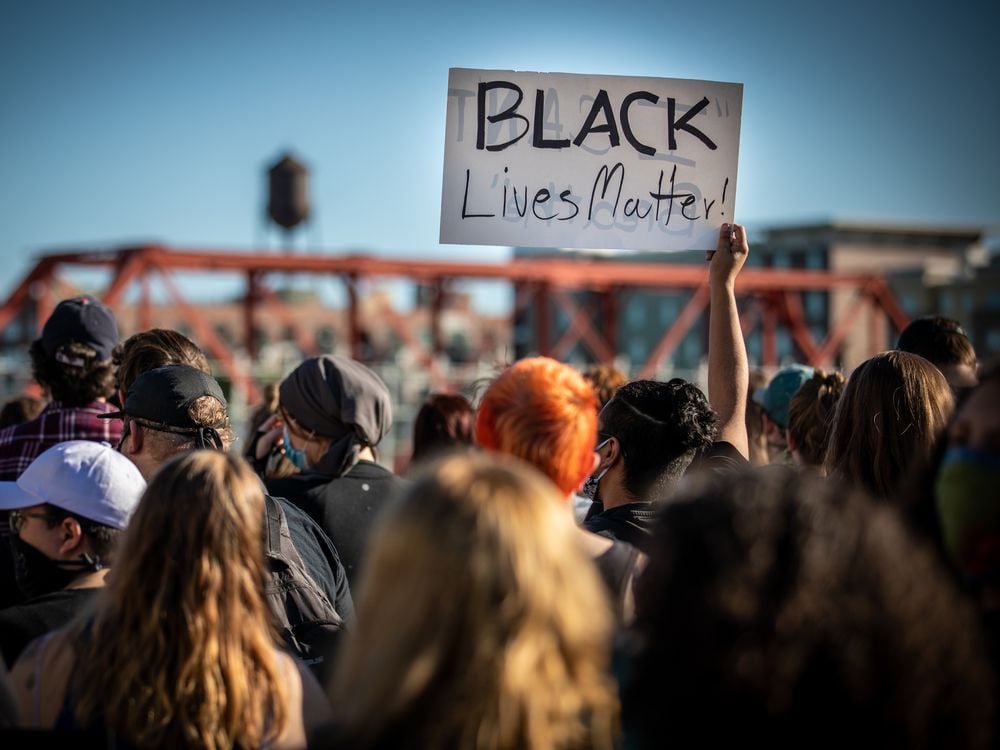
70, 537
135, 439
789, 440
614, 452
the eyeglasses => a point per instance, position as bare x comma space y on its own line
18, 518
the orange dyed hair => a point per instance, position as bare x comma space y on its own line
545, 413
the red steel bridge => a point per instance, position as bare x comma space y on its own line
770, 299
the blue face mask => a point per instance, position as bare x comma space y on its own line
293, 454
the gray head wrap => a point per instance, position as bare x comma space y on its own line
340, 399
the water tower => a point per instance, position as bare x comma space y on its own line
288, 195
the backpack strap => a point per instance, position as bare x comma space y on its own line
275, 520
279, 538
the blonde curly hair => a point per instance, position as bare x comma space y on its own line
481, 623
180, 652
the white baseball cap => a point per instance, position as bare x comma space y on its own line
91, 480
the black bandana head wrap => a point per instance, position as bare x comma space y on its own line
160, 399
340, 399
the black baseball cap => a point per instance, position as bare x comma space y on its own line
160, 399
80, 320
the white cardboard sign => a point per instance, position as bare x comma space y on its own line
579, 161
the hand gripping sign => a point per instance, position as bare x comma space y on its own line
578, 161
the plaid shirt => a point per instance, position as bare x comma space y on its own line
20, 444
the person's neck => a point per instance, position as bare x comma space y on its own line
613, 500
613, 493
315, 454
92, 580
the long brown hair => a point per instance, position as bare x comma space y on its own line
180, 652
890, 417
810, 414
481, 622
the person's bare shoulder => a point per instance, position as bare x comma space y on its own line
308, 706
39, 679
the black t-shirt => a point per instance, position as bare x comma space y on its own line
345, 507
320, 557
719, 457
616, 566
22, 623
632, 523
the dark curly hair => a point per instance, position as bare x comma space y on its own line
70, 385
660, 427
779, 610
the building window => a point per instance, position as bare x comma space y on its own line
784, 345
815, 304
754, 348
947, 304
669, 308
637, 350
635, 316
991, 338
909, 303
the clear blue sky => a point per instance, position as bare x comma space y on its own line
140, 120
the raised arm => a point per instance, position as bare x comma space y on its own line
728, 368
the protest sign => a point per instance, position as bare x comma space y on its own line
580, 161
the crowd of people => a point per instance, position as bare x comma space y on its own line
575, 560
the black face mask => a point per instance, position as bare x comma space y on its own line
36, 573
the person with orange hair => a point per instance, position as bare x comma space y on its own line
545, 413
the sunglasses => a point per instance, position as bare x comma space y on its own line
18, 518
